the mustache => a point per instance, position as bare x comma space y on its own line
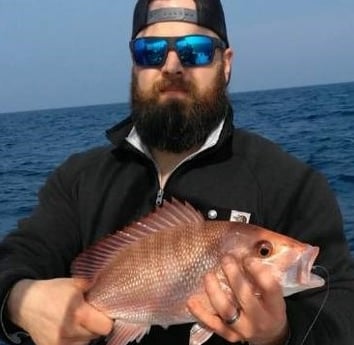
166, 84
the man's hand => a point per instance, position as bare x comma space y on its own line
54, 312
258, 303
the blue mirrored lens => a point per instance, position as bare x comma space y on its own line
192, 50
149, 52
195, 50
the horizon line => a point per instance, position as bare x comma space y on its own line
127, 102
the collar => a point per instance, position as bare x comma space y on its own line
134, 139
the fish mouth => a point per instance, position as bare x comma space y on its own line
299, 275
305, 275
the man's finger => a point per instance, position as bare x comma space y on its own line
266, 284
218, 298
94, 321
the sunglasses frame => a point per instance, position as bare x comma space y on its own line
171, 45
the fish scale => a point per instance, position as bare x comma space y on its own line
144, 274
174, 273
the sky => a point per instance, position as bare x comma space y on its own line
65, 53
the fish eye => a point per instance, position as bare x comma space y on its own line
264, 249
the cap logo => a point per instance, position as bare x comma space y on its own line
177, 14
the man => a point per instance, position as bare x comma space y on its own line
179, 142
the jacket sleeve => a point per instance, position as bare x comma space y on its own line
321, 316
44, 244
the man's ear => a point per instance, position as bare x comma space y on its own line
228, 55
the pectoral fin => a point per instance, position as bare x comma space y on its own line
199, 335
123, 333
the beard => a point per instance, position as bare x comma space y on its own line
178, 125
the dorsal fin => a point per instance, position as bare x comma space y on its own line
171, 215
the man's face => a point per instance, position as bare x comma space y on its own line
176, 107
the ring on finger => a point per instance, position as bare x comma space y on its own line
234, 318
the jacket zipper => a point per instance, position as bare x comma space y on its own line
159, 197
161, 191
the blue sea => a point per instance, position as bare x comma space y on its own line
314, 123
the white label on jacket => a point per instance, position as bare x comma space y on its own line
241, 217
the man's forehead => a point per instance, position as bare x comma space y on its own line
155, 4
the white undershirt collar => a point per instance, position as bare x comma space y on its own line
134, 139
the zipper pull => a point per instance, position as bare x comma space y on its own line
159, 197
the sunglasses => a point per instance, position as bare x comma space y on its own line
192, 50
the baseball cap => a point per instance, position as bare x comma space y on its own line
208, 13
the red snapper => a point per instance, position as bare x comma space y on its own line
144, 274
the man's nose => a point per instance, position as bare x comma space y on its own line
172, 64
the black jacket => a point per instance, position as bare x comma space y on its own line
99, 191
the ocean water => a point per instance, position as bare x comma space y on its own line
315, 124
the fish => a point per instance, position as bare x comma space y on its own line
143, 274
